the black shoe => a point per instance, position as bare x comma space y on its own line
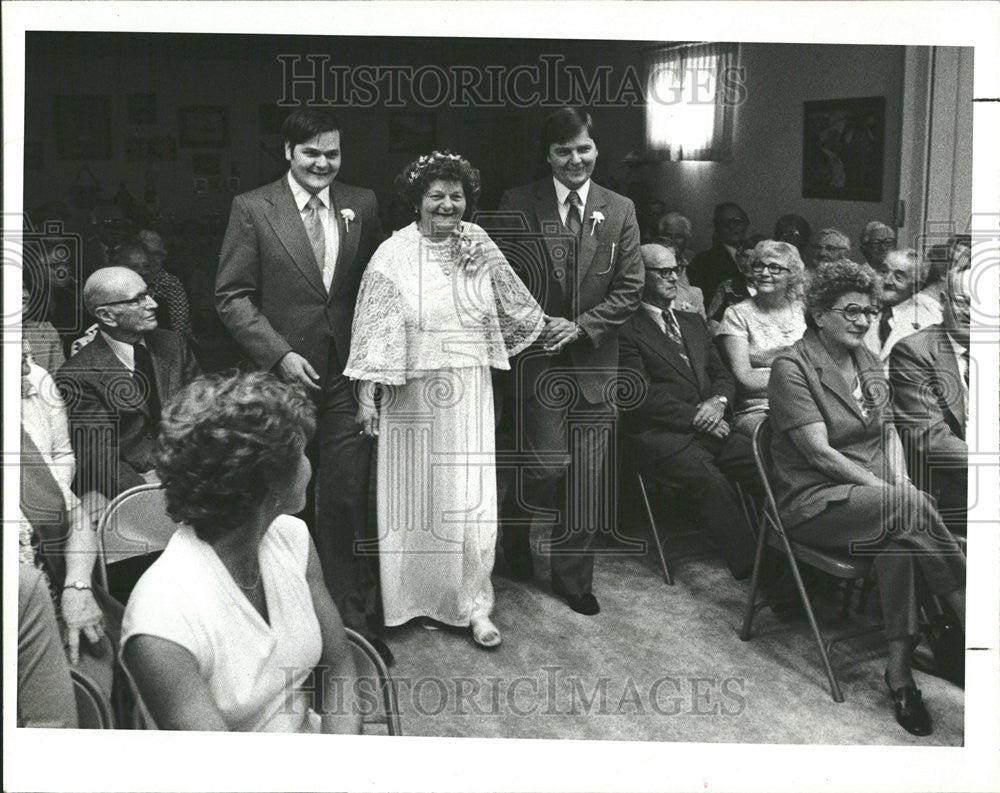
383, 650
909, 707
583, 604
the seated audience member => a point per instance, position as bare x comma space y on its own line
44, 689
678, 432
793, 229
649, 219
929, 371
831, 245
109, 228
232, 647
840, 479
710, 268
46, 346
905, 310
120, 380
677, 228
736, 289
753, 332
57, 528
689, 298
877, 239
173, 312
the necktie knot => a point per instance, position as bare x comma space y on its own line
315, 204
573, 199
574, 221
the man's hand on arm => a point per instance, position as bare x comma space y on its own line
559, 332
295, 368
708, 414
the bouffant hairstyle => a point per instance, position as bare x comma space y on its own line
413, 182
306, 123
226, 443
832, 279
789, 256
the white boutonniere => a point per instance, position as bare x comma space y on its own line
684, 305
348, 216
596, 219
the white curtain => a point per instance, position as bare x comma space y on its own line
692, 93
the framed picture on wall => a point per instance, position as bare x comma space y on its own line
843, 149
412, 133
203, 127
83, 127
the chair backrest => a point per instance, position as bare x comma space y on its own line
133, 524
92, 707
371, 667
762, 437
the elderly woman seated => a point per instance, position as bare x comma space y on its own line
226, 626
839, 475
753, 332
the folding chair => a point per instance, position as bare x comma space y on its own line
372, 668
135, 523
93, 709
772, 533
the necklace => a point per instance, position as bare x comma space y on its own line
249, 587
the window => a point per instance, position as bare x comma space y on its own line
691, 95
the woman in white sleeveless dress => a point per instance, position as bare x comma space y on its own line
439, 306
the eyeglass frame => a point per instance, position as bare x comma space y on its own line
137, 301
773, 269
872, 312
677, 271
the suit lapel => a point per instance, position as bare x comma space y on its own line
829, 375
163, 364
349, 236
596, 200
556, 241
943, 360
284, 217
106, 361
694, 345
654, 338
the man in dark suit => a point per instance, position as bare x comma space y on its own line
710, 268
929, 371
576, 246
115, 386
289, 273
678, 429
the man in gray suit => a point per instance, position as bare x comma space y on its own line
289, 273
576, 246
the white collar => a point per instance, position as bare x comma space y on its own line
562, 191
123, 350
302, 195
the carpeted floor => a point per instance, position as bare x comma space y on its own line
659, 663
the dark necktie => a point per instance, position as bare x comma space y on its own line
884, 326
574, 210
314, 228
146, 376
674, 334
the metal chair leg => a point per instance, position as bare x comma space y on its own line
667, 577
754, 580
845, 608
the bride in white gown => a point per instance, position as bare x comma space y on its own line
439, 305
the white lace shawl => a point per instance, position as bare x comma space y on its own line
418, 312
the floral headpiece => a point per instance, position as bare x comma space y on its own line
416, 170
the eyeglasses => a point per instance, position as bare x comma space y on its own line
138, 300
663, 272
831, 248
773, 269
853, 312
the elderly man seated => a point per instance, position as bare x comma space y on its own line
929, 371
678, 432
831, 245
877, 239
905, 310
713, 266
116, 385
677, 228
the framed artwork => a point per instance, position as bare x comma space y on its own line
150, 148
203, 127
412, 133
843, 149
206, 163
83, 127
141, 108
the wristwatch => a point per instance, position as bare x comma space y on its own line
580, 332
79, 586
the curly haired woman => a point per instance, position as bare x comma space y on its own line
439, 305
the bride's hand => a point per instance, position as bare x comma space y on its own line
367, 417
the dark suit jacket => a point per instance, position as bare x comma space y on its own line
100, 393
603, 288
710, 268
269, 291
659, 422
928, 395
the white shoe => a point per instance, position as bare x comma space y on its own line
484, 632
